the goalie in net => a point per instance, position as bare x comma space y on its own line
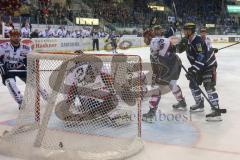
93, 92
90, 96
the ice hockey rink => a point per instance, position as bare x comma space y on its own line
192, 139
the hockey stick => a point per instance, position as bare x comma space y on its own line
176, 16
229, 46
193, 80
17, 71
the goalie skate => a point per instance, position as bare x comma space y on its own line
120, 117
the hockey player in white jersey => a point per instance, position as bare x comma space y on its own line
13, 62
163, 52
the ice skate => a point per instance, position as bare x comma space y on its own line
181, 105
150, 116
199, 107
19, 107
215, 115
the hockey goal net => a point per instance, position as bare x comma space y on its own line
78, 107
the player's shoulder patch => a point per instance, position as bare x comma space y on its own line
198, 42
199, 47
4, 45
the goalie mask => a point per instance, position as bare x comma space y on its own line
84, 73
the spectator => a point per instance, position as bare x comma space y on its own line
7, 28
61, 32
25, 31
27, 22
74, 34
49, 32
34, 34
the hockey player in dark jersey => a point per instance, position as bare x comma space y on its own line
203, 70
113, 41
170, 31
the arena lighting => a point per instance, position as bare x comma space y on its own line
87, 21
156, 7
210, 25
233, 8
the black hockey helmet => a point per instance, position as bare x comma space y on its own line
190, 26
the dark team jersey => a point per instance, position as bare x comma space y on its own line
112, 37
198, 54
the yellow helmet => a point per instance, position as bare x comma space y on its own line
191, 26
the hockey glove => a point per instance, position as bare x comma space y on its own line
215, 50
176, 24
191, 74
182, 46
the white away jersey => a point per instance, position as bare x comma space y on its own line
12, 58
160, 46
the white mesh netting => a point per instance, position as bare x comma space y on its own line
78, 107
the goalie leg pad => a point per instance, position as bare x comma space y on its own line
120, 117
91, 109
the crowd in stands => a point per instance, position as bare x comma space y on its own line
199, 11
51, 32
122, 14
205, 12
48, 12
